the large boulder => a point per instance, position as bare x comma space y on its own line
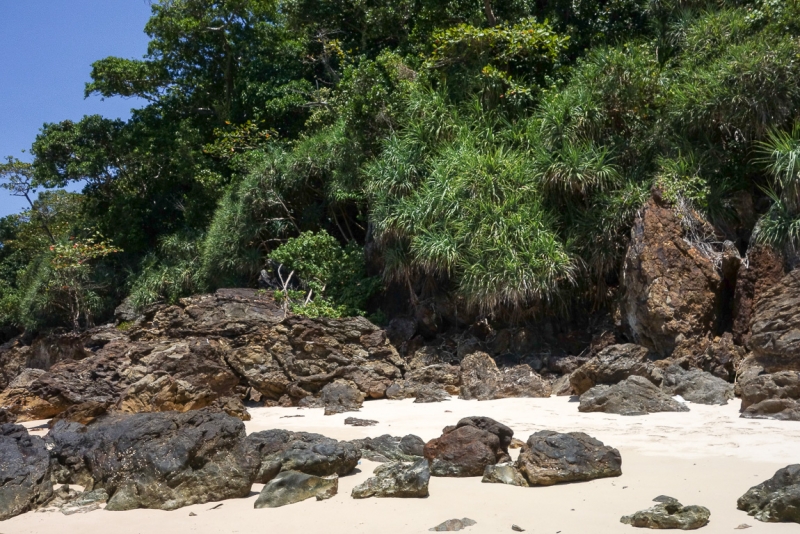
670, 287
775, 327
341, 396
632, 396
549, 458
669, 514
396, 479
482, 380
156, 460
777, 499
25, 473
467, 448
388, 448
763, 269
696, 386
290, 487
312, 454
773, 396
614, 364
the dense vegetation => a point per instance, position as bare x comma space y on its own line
495, 150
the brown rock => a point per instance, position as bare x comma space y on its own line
772, 396
775, 327
670, 287
763, 269
466, 449
552, 458
614, 364
482, 380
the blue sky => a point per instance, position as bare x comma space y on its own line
46, 51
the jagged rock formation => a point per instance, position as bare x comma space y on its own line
25, 472
614, 364
774, 396
632, 396
396, 479
669, 514
777, 499
775, 327
388, 448
482, 380
696, 386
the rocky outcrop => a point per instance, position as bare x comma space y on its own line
467, 448
775, 327
552, 458
633, 396
763, 269
696, 386
314, 454
388, 448
290, 487
481, 379
670, 287
396, 479
156, 460
669, 514
341, 396
777, 499
773, 396
719, 356
25, 473
614, 364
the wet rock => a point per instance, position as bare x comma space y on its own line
504, 474
341, 396
775, 500
156, 460
454, 525
552, 458
388, 448
313, 454
396, 479
633, 396
669, 515
775, 327
25, 473
290, 487
614, 364
482, 380
354, 421
696, 386
466, 449
669, 287
772, 396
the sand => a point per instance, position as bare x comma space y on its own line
708, 456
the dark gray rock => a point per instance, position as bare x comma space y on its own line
341, 396
156, 460
504, 474
633, 396
396, 479
313, 454
467, 448
355, 421
453, 525
551, 458
775, 500
696, 386
669, 515
614, 364
290, 487
772, 396
25, 472
68, 501
388, 448
430, 393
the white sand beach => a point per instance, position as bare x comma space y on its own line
708, 457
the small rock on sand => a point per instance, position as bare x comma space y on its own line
452, 525
355, 421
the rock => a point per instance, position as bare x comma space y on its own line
504, 474
69, 502
721, 356
775, 327
612, 365
428, 394
156, 460
25, 473
466, 449
482, 380
633, 396
290, 487
354, 421
552, 458
669, 515
670, 288
396, 479
388, 448
696, 386
516, 528
516, 444
742, 526
763, 269
775, 500
453, 525
772, 396
440, 376
312, 454
85, 413
7, 417
341, 396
